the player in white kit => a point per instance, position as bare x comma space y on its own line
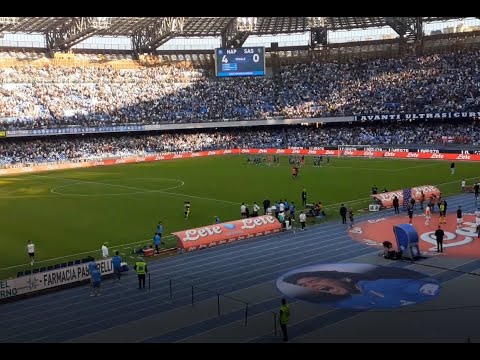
477, 217
428, 215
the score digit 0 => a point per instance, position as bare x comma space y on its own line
256, 58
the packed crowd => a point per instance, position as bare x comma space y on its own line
54, 149
434, 83
34, 98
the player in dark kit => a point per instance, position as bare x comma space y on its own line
304, 197
343, 214
186, 208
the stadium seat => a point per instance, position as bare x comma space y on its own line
70, 263
35, 271
78, 262
28, 272
63, 265
42, 269
85, 260
56, 266
49, 267
20, 274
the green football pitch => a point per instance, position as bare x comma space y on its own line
69, 214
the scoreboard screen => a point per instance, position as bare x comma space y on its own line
240, 62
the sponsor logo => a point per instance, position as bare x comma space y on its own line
195, 234
397, 150
212, 153
426, 189
195, 154
389, 154
280, 151
348, 152
160, 157
120, 161
252, 223
52, 167
463, 157
314, 152
295, 151
227, 151
262, 151
428, 151
329, 152
245, 151
436, 156
177, 156
26, 169
368, 153
412, 155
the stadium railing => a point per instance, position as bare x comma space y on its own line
194, 287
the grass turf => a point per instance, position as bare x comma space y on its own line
70, 214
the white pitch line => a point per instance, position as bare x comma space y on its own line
82, 253
139, 189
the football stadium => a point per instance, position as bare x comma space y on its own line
239, 179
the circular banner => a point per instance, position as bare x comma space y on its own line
461, 240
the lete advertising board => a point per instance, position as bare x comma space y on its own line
223, 233
387, 198
375, 153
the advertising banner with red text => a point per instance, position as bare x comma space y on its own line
212, 235
387, 198
375, 153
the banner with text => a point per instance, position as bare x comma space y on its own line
75, 130
50, 279
212, 235
387, 198
414, 116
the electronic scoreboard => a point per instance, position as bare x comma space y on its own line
247, 61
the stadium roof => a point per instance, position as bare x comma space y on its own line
208, 26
